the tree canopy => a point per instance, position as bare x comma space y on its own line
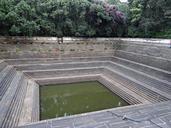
150, 18
60, 18
86, 18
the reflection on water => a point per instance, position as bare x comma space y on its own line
75, 98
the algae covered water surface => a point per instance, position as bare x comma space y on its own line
69, 99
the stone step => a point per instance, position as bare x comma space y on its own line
113, 118
6, 79
35, 74
136, 86
65, 79
156, 62
150, 49
159, 73
92, 77
14, 110
83, 64
35, 112
8, 97
4, 72
58, 65
28, 103
69, 79
121, 91
120, 70
142, 77
2, 65
55, 60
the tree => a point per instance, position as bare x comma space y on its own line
147, 17
59, 18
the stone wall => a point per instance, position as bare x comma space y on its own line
19, 47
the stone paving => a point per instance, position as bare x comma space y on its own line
137, 116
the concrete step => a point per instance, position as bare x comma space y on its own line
8, 98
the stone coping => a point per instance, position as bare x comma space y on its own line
71, 39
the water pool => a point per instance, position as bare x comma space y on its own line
75, 98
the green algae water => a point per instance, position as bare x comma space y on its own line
75, 98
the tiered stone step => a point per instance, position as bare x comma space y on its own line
139, 89
141, 77
14, 110
7, 75
54, 60
30, 107
62, 65
123, 92
135, 86
136, 116
157, 62
8, 99
2, 65
36, 74
121, 76
50, 63
68, 79
159, 73
113, 86
113, 65
145, 79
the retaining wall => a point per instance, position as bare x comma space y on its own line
152, 52
23, 47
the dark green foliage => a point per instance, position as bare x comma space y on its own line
149, 18
85, 18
